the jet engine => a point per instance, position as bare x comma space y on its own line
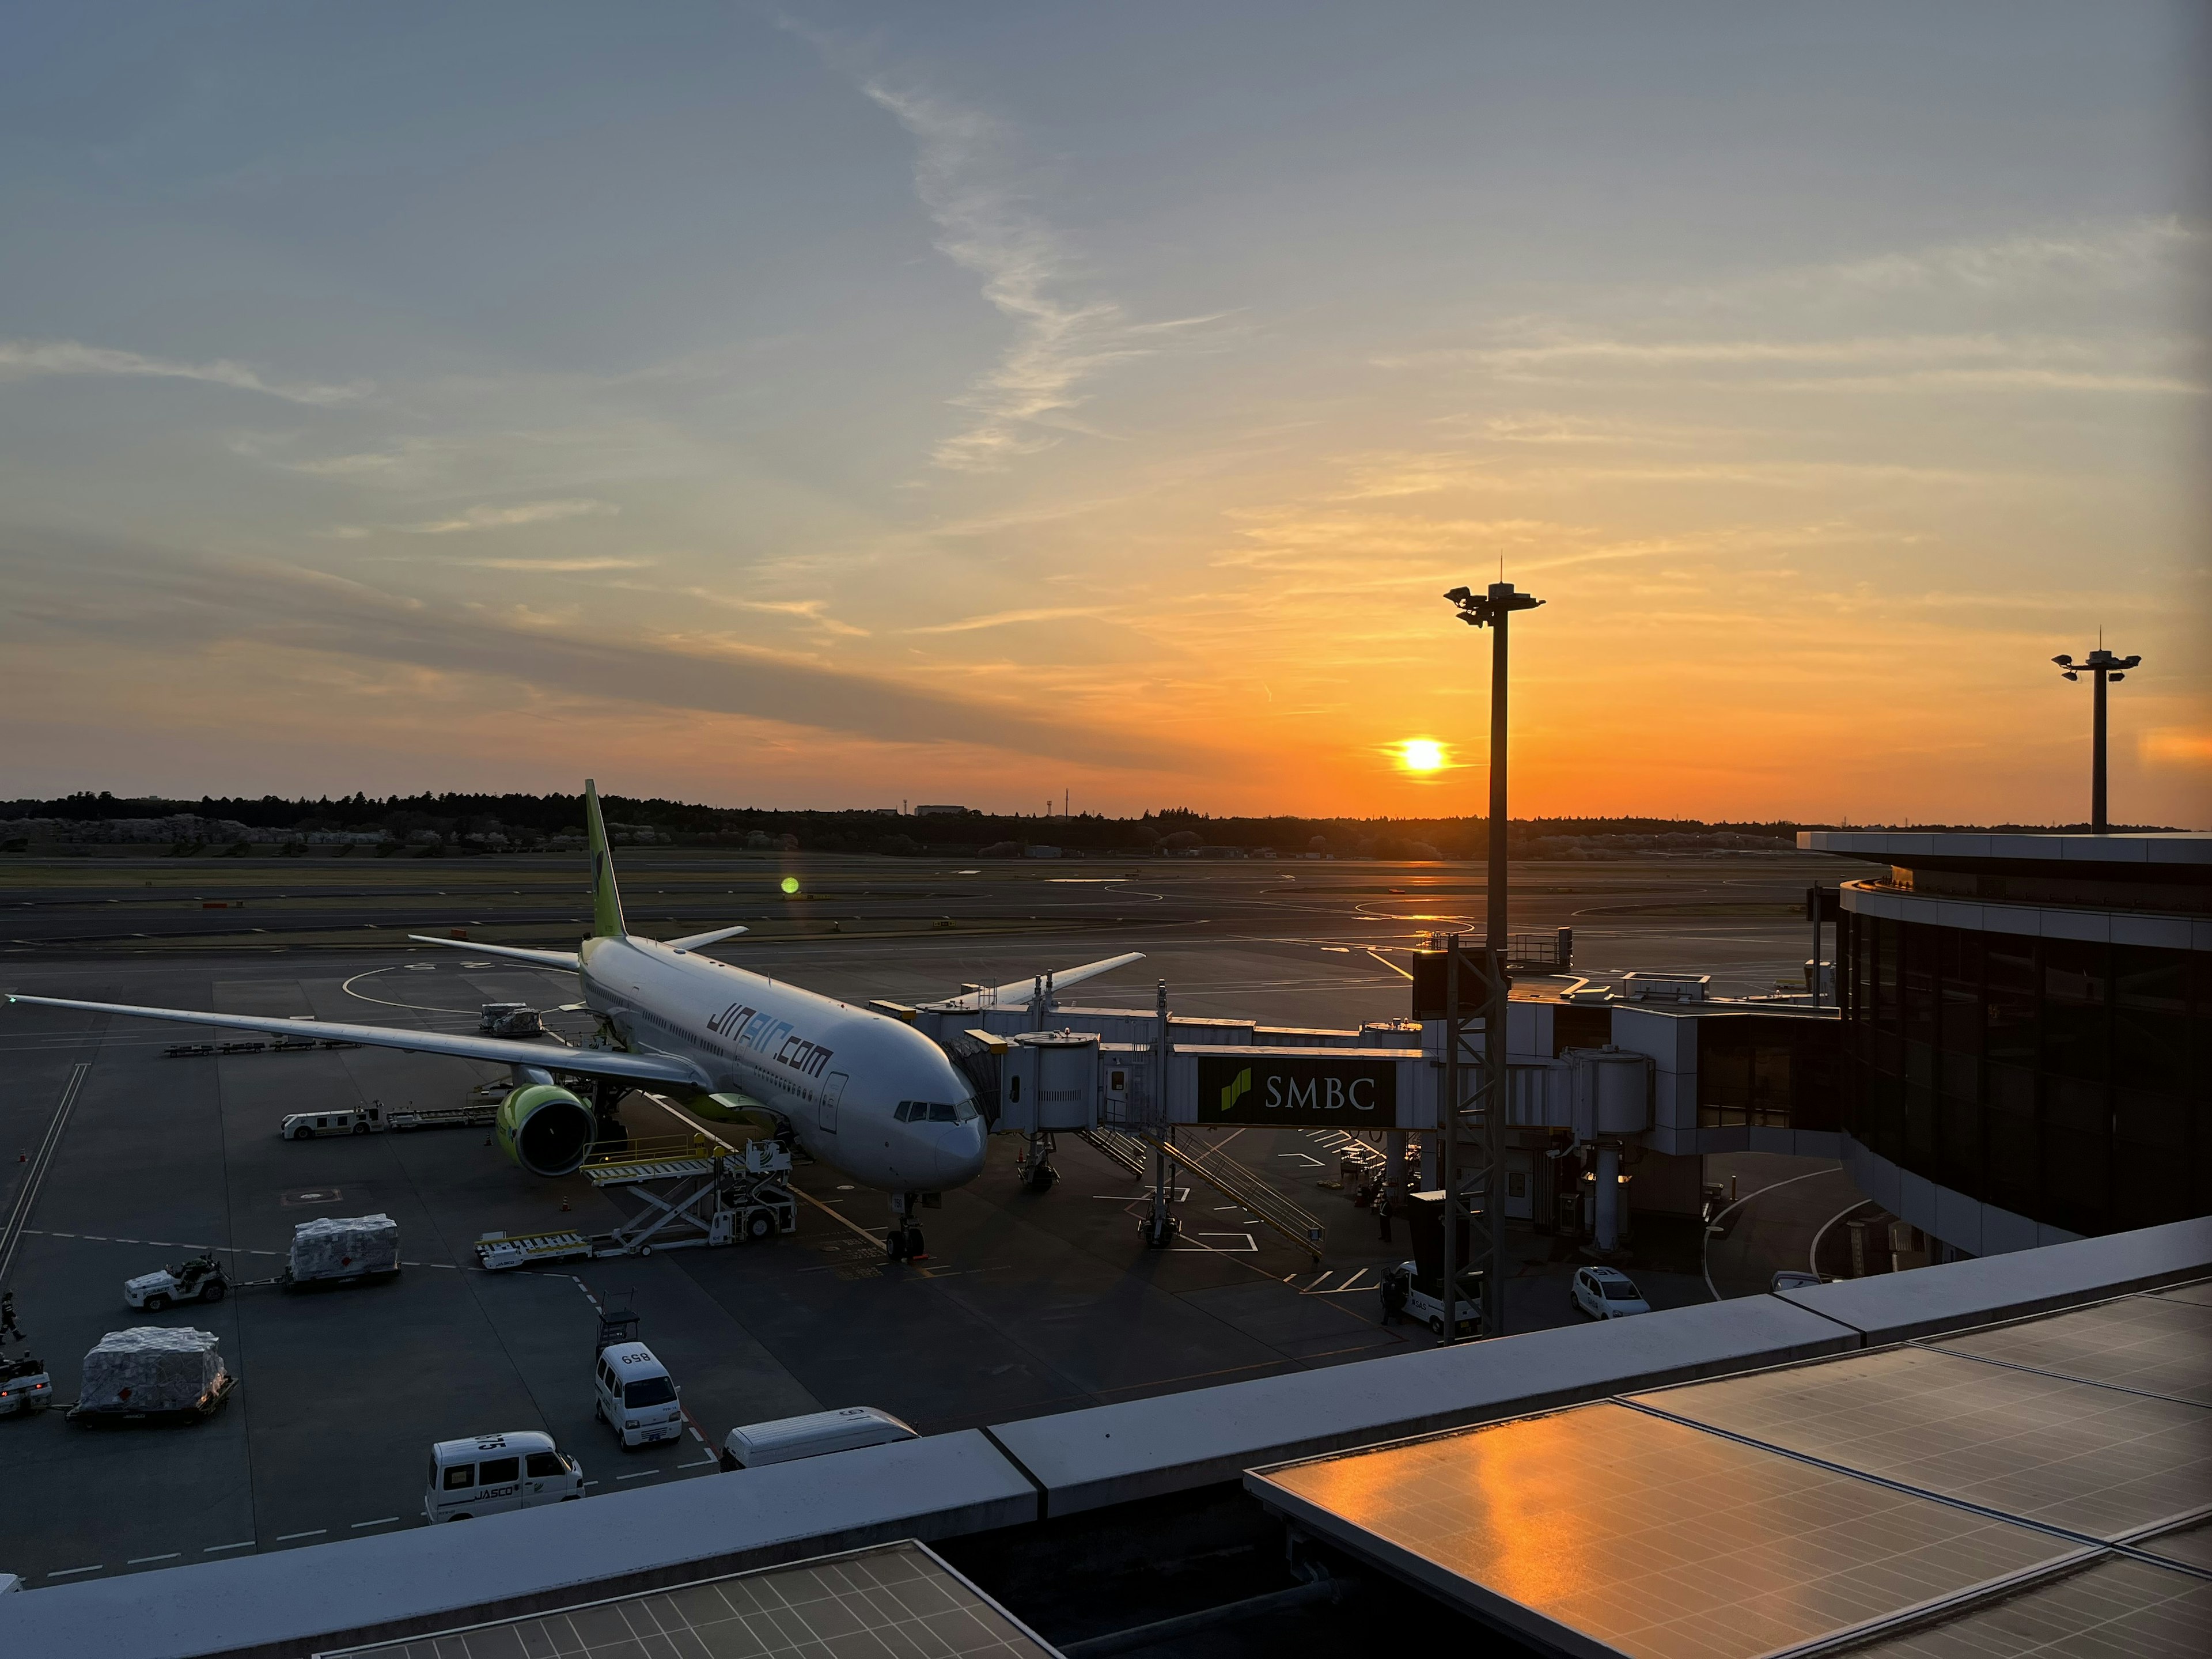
545, 1129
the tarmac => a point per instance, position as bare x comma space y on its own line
1028, 1304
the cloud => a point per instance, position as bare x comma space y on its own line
157, 604
26, 359
962, 178
502, 518
1001, 619
557, 567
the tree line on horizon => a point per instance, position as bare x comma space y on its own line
520, 819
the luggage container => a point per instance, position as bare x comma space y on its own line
338, 1249
150, 1374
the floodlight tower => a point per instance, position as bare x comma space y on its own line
2104, 666
1492, 611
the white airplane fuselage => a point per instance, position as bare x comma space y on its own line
840, 1075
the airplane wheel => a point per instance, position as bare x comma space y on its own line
915, 1249
1041, 1177
895, 1245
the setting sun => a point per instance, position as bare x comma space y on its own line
1421, 755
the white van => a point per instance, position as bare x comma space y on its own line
354, 1120
494, 1473
637, 1398
789, 1438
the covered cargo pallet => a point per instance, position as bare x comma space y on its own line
150, 1368
344, 1247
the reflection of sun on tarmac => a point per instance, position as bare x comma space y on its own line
1421, 755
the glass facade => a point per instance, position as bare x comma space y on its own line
1768, 1072
2065, 1081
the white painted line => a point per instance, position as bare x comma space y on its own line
381, 1520
217, 1549
312, 1532
71, 1572
638, 1475
588, 1484
141, 1560
703, 1464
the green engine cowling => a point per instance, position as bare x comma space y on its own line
545, 1129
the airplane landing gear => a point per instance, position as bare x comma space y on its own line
1157, 1231
903, 1241
1035, 1170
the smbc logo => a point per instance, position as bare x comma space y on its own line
1238, 1087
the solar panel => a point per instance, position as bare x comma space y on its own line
2158, 1344
2114, 1607
896, 1599
2093, 1460
1607, 1525
2191, 1545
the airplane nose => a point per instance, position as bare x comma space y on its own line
960, 1155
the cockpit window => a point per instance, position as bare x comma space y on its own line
936, 1111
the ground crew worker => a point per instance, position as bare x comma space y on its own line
1382, 1212
9, 1331
1394, 1297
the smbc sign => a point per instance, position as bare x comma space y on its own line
1346, 1094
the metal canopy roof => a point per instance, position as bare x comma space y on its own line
1945, 1494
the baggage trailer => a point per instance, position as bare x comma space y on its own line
152, 1374
472, 1116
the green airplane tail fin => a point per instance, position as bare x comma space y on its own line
606, 898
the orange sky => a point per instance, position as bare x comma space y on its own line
828, 415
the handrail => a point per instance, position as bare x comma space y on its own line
1231, 1179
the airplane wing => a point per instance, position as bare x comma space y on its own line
1018, 992
564, 960
700, 941
591, 1062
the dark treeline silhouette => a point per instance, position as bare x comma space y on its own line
520, 820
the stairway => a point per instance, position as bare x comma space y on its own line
1222, 1172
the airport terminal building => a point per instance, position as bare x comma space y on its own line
2027, 1031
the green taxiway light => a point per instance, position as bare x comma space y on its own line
791, 883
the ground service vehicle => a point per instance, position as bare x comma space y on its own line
1606, 1293
786, 1438
195, 1279
1407, 1292
491, 1473
637, 1398
353, 1121
24, 1386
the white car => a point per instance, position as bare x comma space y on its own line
1606, 1293
635, 1397
491, 1473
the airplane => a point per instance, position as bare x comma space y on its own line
858, 1089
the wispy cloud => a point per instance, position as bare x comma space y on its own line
964, 180
503, 518
557, 567
25, 359
1001, 619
